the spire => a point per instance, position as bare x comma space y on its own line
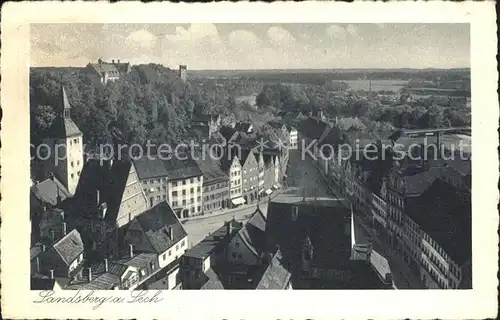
65, 102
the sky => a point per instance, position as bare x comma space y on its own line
254, 46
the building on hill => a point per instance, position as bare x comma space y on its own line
177, 180
316, 240
210, 121
105, 71
183, 72
65, 143
215, 184
244, 127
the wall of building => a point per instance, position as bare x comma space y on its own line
235, 178
215, 195
250, 178
133, 200
239, 253
155, 190
186, 195
173, 253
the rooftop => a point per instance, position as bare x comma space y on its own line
157, 223
69, 247
174, 168
276, 276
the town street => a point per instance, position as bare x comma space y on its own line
199, 227
303, 173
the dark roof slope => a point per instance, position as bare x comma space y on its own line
445, 214
173, 167
69, 247
313, 128
110, 179
49, 192
323, 221
417, 183
157, 223
211, 169
214, 241
253, 232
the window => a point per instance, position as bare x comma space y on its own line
191, 180
199, 198
174, 203
158, 189
164, 256
174, 183
78, 173
183, 182
72, 164
158, 180
237, 244
157, 197
174, 193
191, 201
176, 247
183, 243
183, 192
199, 189
169, 252
199, 208
192, 190
72, 175
183, 202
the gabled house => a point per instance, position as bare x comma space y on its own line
105, 71
230, 164
63, 258
159, 232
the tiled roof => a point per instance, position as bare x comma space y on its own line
348, 123
449, 223
139, 260
276, 276
172, 167
213, 282
313, 128
42, 283
253, 232
110, 179
214, 241
49, 192
211, 169
323, 221
104, 67
417, 183
69, 247
156, 223
117, 269
242, 126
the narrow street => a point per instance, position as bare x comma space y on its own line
303, 173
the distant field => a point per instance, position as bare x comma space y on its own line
376, 85
249, 99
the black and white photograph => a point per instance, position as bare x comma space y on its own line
187, 161
250, 156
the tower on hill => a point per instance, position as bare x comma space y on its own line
183, 72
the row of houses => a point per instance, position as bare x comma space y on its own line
421, 207
299, 243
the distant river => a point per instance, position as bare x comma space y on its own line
249, 99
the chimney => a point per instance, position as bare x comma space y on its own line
113, 61
98, 197
52, 235
103, 208
37, 264
106, 267
229, 227
131, 250
118, 60
170, 233
64, 228
90, 274
44, 247
51, 273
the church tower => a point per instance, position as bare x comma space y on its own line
65, 143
